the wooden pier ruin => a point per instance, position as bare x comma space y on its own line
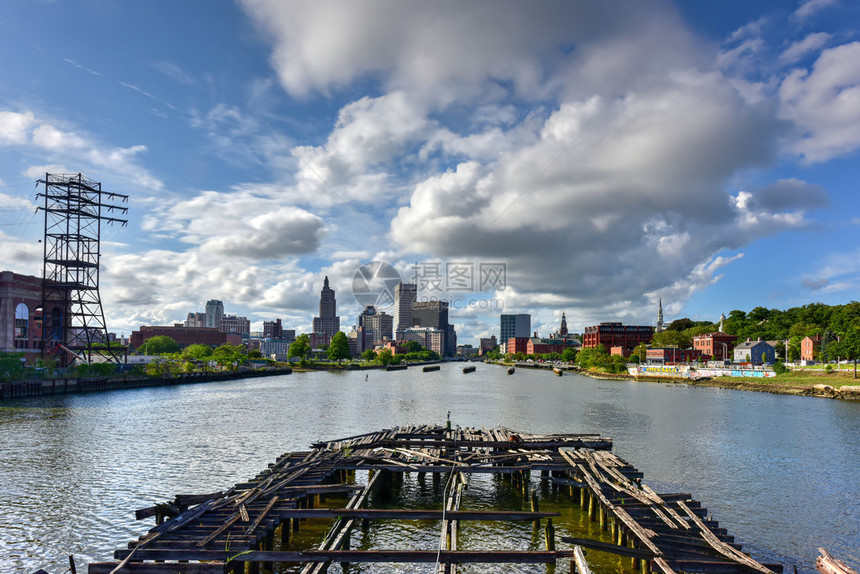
248, 528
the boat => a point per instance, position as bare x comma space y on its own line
469, 369
511, 371
558, 371
429, 368
395, 368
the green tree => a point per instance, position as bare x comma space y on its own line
228, 355
159, 345
671, 339
197, 351
369, 355
385, 356
300, 348
413, 347
11, 366
568, 355
339, 347
640, 353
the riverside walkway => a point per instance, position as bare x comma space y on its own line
249, 527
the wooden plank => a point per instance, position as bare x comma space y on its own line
579, 559
261, 516
159, 568
721, 546
408, 514
611, 548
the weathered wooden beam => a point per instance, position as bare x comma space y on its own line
641, 554
408, 514
159, 568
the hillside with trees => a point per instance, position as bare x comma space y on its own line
839, 326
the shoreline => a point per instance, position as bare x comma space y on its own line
851, 393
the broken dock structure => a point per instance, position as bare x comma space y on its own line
255, 525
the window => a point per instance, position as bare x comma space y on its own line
22, 321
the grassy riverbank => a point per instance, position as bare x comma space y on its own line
813, 383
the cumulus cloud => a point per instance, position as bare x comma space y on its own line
240, 224
810, 43
825, 104
787, 194
635, 205
810, 7
65, 145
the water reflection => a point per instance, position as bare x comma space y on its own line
779, 472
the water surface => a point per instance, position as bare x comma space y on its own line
779, 472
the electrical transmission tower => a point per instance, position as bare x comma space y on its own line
75, 208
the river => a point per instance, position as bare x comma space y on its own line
780, 472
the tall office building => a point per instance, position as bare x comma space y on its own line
328, 323
380, 323
405, 295
519, 325
434, 315
214, 313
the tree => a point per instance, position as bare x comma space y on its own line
413, 347
229, 355
640, 353
671, 339
369, 355
339, 347
197, 351
11, 366
385, 356
300, 348
568, 355
159, 345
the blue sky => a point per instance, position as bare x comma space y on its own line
607, 154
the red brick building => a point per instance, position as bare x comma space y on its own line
184, 335
21, 317
717, 345
539, 346
672, 355
616, 335
516, 345
809, 347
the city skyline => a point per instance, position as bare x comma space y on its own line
605, 156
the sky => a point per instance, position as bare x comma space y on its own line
539, 157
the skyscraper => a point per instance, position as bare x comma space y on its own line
328, 323
519, 325
381, 323
214, 313
434, 314
404, 297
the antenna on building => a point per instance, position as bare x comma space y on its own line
75, 208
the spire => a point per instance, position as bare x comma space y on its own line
563, 329
325, 283
660, 316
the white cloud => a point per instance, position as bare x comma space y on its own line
15, 127
62, 145
810, 43
810, 7
825, 104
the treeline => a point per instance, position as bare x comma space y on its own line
838, 326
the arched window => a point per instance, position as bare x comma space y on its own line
22, 321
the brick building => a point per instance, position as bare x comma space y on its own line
184, 335
616, 335
809, 347
672, 355
516, 345
717, 345
21, 317
540, 346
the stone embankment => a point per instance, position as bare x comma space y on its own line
19, 389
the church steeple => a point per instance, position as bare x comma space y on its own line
563, 329
660, 316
